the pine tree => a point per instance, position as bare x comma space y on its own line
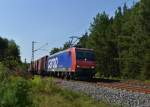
144, 19
83, 41
98, 40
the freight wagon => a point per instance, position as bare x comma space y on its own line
75, 63
39, 66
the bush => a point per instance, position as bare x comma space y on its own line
40, 92
44, 85
15, 93
22, 90
48, 94
3, 72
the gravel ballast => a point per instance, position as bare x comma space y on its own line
112, 96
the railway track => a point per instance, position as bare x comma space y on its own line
131, 86
124, 93
125, 86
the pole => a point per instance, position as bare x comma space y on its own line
32, 60
34, 50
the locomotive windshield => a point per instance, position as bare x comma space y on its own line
85, 55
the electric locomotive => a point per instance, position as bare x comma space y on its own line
74, 63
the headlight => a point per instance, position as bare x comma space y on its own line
78, 66
92, 67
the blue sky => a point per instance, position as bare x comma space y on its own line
49, 21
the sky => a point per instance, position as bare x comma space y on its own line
50, 21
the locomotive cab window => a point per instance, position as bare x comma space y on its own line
82, 55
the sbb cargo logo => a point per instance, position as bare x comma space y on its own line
52, 63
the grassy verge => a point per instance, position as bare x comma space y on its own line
48, 94
18, 91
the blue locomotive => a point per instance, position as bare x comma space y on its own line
75, 63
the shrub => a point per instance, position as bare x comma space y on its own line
3, 72
22, 90
48, 94
44, 85
15, 93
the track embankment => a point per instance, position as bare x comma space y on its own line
119, 93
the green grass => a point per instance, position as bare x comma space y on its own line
17, 91
47, 94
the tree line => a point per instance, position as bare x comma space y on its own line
9, 53
121, 43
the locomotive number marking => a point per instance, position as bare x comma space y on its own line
53, 63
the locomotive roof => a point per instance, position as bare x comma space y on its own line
86, 49
65, 51
70, 49
59, 52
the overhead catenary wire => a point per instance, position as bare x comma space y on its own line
34, 50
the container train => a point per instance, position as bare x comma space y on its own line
72, 63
